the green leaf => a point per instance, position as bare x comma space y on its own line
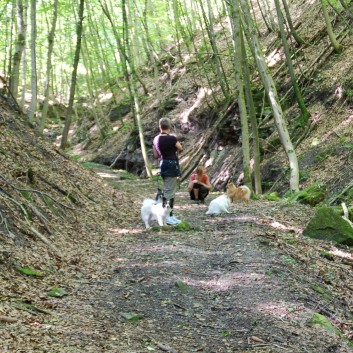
28, 271
132, 316
183, 286
57, 292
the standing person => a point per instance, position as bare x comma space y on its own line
166, 146
199, 185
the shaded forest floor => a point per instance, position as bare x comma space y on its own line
241, 282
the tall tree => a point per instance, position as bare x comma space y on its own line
298, 95
19, 48
337, 46
272, 95
293, 31
240, 90
33, 105
79, 29
252, 114
209, 23
51, 37
134, 90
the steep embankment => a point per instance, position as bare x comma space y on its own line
54, 217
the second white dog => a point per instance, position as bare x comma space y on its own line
152, 210
220, 204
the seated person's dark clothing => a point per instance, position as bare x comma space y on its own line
203, 192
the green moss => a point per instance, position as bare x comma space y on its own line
323, 321
327, 224
312, 195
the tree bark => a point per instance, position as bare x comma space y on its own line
134, 90
304, 111
79, 29
253, 121
19, 49
271, 92
51, 37
33, 106
236, 29
337, 46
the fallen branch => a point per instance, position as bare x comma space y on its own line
162, 346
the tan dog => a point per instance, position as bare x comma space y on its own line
238, 193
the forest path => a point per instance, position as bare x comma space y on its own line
227, 285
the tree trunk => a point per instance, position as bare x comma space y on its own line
240, 88
293, 32
253, 121
79, 29
304, 111
51, 37
134, 90
19, 48
271, 92
33, 106
337, 46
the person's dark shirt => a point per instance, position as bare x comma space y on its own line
166, 146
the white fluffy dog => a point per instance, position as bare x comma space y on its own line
153, 210
220, 204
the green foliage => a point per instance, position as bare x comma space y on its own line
304, 175
273, 196
75, 157
186, 227
57, 292
125, 175
126, 127
91, 165
327, 255
290, 240
312, 195
132, 317
28, 271
27, 195
286, 259
323, 155
184, 287
347, 91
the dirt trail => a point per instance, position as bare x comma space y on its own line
225, 286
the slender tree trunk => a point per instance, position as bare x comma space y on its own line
79, 29
293, 32
253, 120
101, 120
134, 90
19, 48
33, 106
304, 111
271, 92
337, 46
240, 88
51, 37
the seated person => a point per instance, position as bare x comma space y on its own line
199, 185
